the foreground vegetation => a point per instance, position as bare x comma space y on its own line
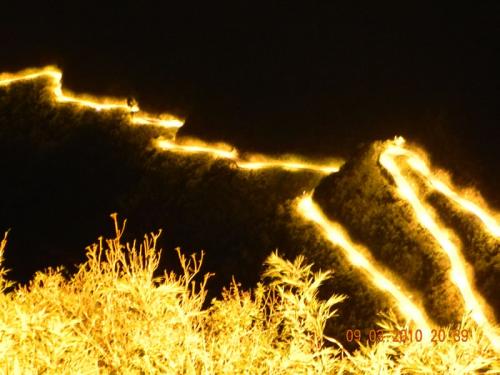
114, 316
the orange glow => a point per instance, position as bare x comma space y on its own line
356, 255
138, 117
218, 151
389, 160
262, 162
163, 121
488, 219
254, 162
98, 104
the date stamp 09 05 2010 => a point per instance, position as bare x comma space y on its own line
408, 335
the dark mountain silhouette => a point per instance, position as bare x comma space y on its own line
65, 169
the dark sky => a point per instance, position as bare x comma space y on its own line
318, 79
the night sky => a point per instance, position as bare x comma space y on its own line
319, 79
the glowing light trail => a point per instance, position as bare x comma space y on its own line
335, 234
227, 152
419, 165
98, 104
198, 147
355, 253
164, 120
331, 167
388, 159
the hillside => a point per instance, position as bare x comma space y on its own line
66, 167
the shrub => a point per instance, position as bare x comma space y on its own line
114, 316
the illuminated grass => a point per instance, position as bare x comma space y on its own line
113, 316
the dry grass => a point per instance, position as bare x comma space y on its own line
113, 316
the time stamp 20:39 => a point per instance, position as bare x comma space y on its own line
409, 335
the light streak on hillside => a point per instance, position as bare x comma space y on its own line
164, 120
356, 255
389, 159
99, 104
193, 146
225, 151
290, 165
418, 164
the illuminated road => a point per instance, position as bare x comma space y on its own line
393, 158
